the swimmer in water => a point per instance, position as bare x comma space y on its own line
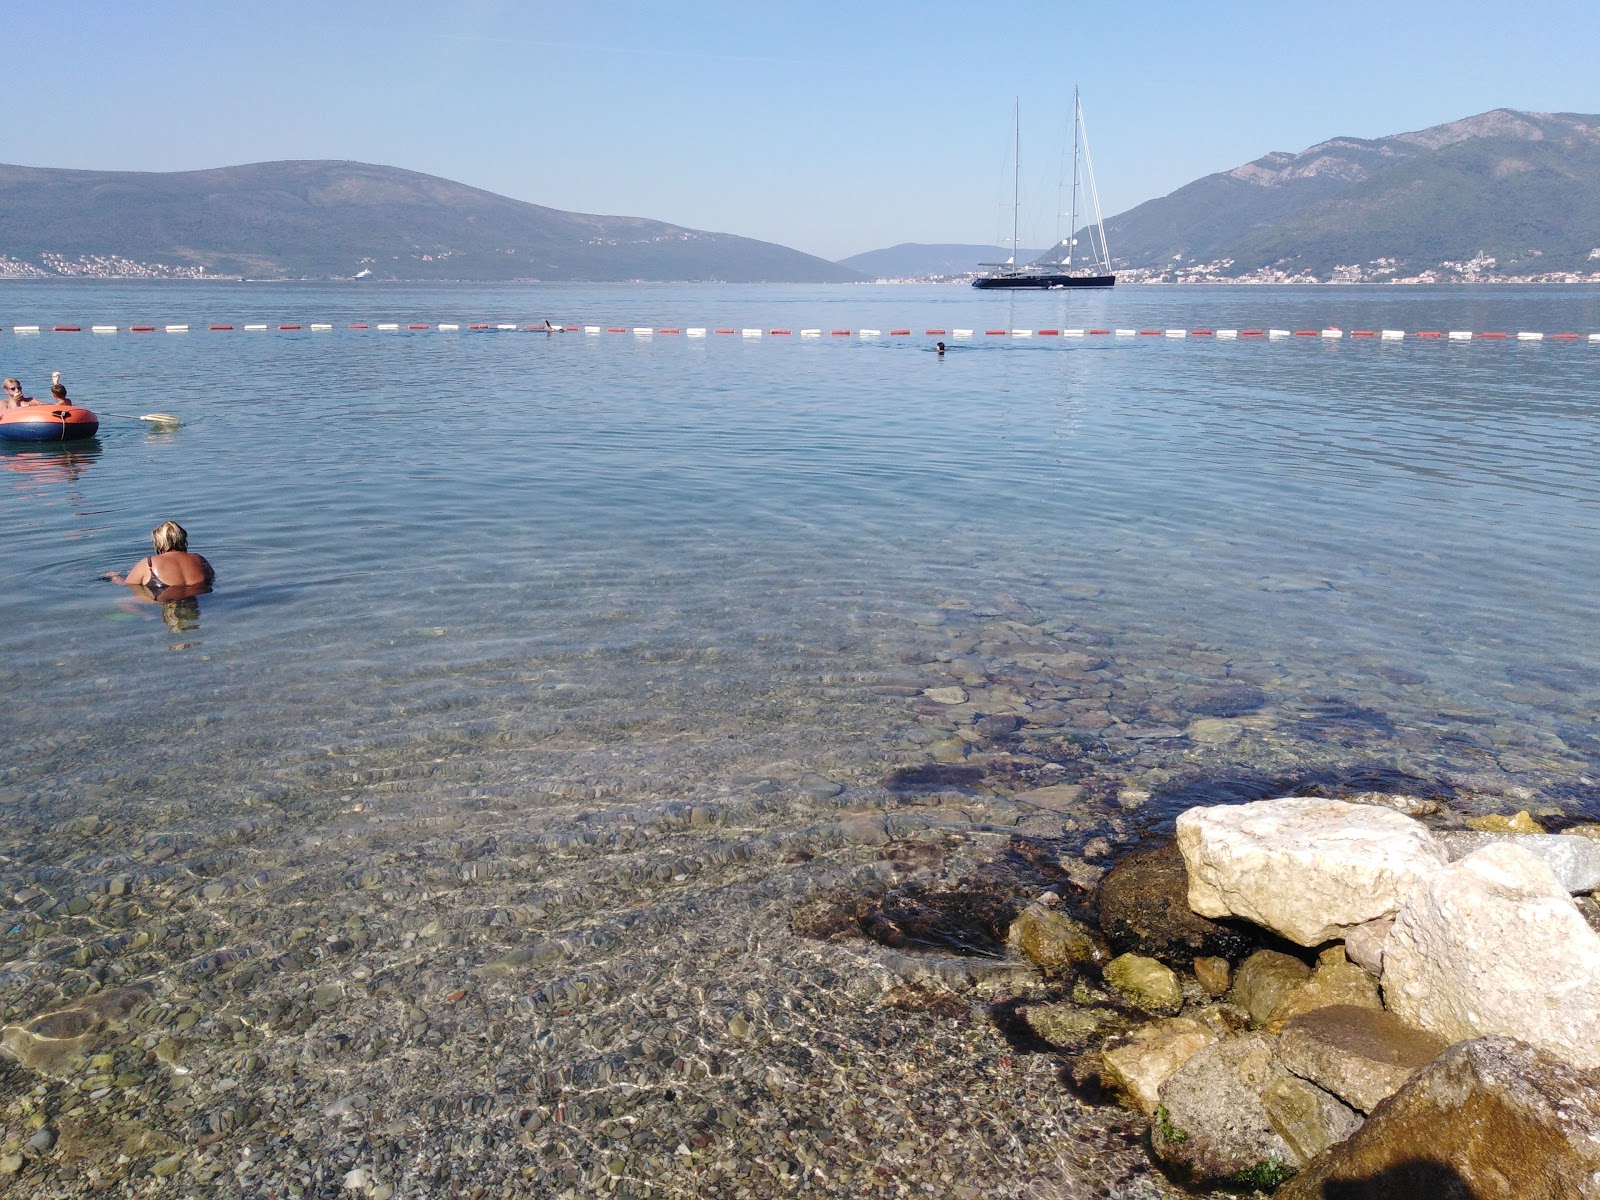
938, 348
171, 568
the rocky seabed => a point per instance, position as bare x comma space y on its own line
915, 926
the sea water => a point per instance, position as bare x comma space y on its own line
459, 569
401, 519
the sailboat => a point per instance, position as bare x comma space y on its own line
1056, 268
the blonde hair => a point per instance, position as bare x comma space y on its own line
169, 536
17, 383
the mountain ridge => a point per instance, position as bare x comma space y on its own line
1505, 194
330, 218
1508, 189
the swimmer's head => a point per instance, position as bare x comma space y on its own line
58, 391
169, 536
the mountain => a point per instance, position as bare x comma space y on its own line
307, 219
1505, 193
914, 260
1502, 195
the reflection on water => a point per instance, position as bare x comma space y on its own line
48, 463
179, 608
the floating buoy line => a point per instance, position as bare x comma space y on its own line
1272, 335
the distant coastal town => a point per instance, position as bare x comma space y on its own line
1479, 269
97, 266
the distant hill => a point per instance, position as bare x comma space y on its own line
340, 219
1505, 194
912, 260
1520, 188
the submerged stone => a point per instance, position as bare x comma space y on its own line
1145, 983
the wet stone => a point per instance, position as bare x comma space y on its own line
1144, 907
327, 995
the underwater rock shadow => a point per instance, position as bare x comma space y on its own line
1166, 803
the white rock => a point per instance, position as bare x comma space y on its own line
355, 1180
1308, 869
1364, 944
1494, 945
1575, 860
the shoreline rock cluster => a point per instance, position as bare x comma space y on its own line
1345, 1001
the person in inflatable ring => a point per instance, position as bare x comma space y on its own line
172, 572
13, 395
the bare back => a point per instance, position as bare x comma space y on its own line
175, 568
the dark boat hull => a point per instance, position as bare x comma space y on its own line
1044, 282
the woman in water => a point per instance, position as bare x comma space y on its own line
171, 568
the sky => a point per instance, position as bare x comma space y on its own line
834, 128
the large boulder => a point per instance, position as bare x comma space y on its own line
1144, 906
1494, 945
1308, 869
1488, 1119
1211, 1125
1575, 860
1361, 1055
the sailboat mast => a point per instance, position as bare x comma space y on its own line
1016, 173
1072, 220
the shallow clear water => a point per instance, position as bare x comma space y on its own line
490, 604
402, 521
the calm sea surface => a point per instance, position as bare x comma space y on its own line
615, 571
477, 532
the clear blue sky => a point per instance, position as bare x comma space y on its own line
830, 127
